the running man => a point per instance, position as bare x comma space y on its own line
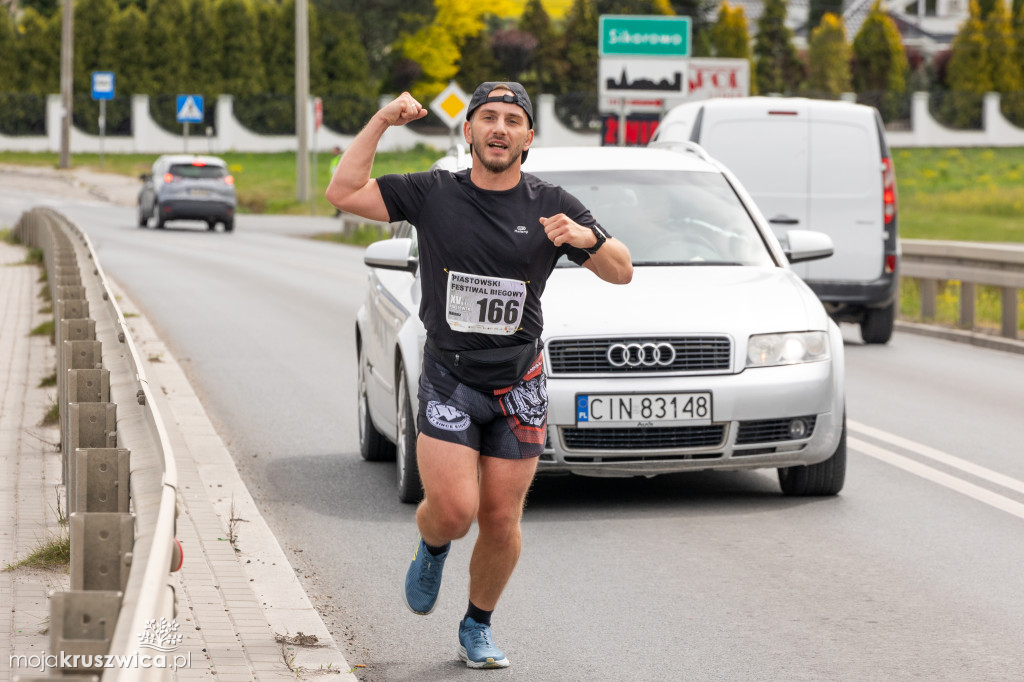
489, 238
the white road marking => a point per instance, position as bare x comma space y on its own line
940, 456
932, 474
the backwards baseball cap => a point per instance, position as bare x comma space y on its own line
514, 94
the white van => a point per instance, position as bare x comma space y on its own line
812, 165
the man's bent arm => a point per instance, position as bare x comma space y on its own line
351, 188
612, 262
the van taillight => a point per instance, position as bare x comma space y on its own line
168, 177
888, 191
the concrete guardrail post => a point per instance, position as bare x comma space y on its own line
101, 550
102, 480
82, 624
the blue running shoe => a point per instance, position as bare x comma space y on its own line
476, 647
423, 580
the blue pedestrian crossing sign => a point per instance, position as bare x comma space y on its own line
102, 85
190, 108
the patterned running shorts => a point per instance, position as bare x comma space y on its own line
509, 423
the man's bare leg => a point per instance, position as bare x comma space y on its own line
503, 487
451, 490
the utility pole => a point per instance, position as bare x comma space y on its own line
67, 75
301, 99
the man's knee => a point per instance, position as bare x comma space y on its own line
450, 515
500, 521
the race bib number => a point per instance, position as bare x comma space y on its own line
485, 305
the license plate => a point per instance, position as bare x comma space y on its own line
642, 409
199, 192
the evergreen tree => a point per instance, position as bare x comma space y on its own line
277, 46
171, 49
130, 58
231, 54
698, 11
346, 66
777, 68
477, 63
7, 50
829, 58
819, 8
969, 75
880, 61
579, 45
47, 8
637, 7
1005, 70
545, 62
93, 40
985, 7
37, 61
729, 37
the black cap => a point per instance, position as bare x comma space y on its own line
518, 96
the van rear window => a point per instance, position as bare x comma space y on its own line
187, 170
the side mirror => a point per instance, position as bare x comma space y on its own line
805, 245
392, 254
145, 177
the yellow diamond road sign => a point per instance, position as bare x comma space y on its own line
450, 105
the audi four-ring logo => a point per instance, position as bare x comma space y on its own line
641, 354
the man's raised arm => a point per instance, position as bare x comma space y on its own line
351, 188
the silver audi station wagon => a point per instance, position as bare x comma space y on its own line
716, 356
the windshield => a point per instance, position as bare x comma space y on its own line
183, 170
669, 217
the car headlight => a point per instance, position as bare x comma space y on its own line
769, 350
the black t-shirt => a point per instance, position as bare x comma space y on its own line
481, 234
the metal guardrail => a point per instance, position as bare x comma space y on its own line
971, 264
117, 593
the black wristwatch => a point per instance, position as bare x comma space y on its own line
601, 235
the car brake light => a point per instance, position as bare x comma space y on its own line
228, 180
168, 177
888, 190
199, 163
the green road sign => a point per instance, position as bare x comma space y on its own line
644, 36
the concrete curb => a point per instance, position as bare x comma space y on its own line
305, 644
962, 336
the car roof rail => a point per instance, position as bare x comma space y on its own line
684, 146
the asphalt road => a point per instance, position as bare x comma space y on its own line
913, 572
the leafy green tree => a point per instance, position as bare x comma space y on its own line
37, 63
729, 37
202, 74
777, 67
93, 40
7, 50
170, 49
985, 7
1005, 71
637, 7
380, 23
829, 58
437, 46
130, 53
47, 8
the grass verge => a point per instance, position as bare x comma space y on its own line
53, 552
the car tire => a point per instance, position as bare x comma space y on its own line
229, 225
211, 225
817, 480
159, 217
373, 446
410, 489
143, 219
878, 323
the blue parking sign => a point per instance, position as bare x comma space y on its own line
190, 108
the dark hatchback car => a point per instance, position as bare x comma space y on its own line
187, 187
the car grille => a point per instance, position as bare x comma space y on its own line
770, 430
644, 439
590, 356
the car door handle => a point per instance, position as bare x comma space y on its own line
784, 220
